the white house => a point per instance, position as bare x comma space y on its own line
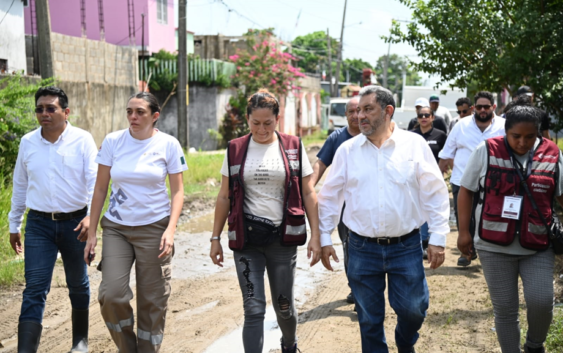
12, 37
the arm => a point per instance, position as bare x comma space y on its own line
90, 170
464, 205
222, 206
311, 208
177, 197
98, 199
19, 196
318, 170
447, 153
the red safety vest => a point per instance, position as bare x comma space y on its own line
501, 180
293, 227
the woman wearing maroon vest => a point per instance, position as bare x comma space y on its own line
265, 194
511, 238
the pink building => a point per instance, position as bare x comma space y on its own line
117, 17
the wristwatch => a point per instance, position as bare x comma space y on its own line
215, 238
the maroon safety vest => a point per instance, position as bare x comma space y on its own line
501, 180
293, 227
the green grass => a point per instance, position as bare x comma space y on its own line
203, 170
315, 138
554, 342
11, 267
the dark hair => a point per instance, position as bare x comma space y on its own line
151, 99
425, 106
462, 101
52, 91
523, 100
523, 114
383, 96
509, 106
263, 99
484, 94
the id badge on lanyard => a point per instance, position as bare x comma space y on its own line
512, 207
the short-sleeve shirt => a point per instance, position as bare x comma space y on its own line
138, 173
475, 176
264, 179
435, 138
334, 140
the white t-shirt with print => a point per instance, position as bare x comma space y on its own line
264, 179
138, 173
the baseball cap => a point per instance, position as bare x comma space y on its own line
524, 90
422, 102
434, 98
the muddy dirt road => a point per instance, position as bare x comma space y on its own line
205, 310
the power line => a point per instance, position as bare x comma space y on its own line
13, 1
238, 13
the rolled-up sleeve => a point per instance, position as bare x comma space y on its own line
19, 192
434, 198
331, 197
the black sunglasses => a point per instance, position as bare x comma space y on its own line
50, 110
425, 115
462, 111
485, 106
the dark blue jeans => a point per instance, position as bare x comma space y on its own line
44, 238
368, 266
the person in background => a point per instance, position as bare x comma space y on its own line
464, 109
266, 191
545, 121
54, 177
325, 157
139, 225
440, 111
511, 238
436, 140
439, 122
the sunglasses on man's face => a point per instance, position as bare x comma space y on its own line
426, 115
462, 111
484, 106
50, 110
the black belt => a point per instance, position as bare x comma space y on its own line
61, 216
389, 240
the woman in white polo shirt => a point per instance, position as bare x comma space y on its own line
138, 226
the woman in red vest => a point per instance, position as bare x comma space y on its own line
511, 238
265, 194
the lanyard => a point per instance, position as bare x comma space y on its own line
517, 165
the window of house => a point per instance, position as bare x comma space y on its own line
162, 11
3, 65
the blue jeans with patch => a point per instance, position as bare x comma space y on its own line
44, 238
369, 266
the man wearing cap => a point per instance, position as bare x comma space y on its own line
440, 111
438, 123
544, 127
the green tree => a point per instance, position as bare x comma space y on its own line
311, 51
397, 65
355, 69
500, 44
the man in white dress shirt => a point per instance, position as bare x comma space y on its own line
391, 184
54, 177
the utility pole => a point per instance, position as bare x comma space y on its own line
183, 128
386, 68
340, 49
329, 73
44, 36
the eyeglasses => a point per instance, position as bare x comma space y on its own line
50, 110
462, 111
425, 115
485, 106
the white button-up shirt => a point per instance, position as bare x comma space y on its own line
53, 177
389, 191
464, 139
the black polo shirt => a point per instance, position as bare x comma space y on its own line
436, 139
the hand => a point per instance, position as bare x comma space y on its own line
444, 164
465, 243
314, 248
90, 248
16, 242
328, 251
83, 226
216, 253
166, 243
436, 256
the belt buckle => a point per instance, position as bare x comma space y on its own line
381, 243
53, 216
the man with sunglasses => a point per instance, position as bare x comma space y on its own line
54, 177
464, 109
464, 138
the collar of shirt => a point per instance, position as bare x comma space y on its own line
61, 138
488, 127
395, 137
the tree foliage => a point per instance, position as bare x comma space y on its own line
17, 117
311, 51
500, 44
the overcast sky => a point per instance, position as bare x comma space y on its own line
360, 40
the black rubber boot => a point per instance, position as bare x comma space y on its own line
79, 331
29, 334
406, 350
534, 350
293, 349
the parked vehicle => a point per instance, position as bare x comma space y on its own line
337, 114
